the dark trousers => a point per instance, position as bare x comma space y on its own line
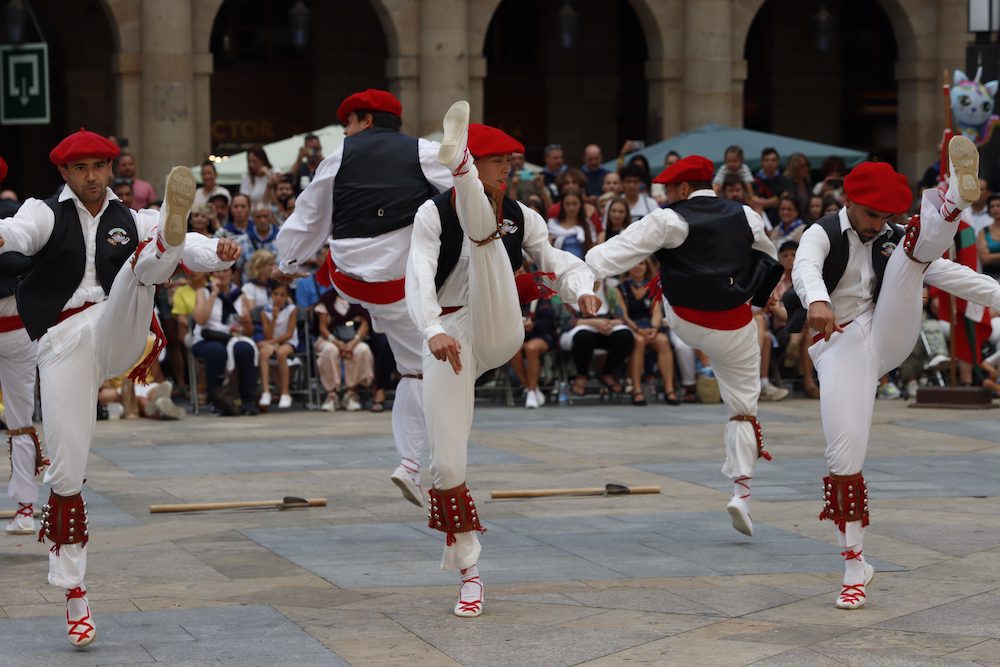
213, 354
619, 346
385, 362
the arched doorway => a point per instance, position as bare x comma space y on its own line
82, 90
824, 71
570, 72
277, 73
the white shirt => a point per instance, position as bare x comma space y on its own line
853, 295
30, 228
372, 260
663, 228
978, 221
257, 189
423, 300
642, 207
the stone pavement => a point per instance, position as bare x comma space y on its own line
634, 580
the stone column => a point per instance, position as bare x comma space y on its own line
402, 73
168, 134
665, 81
920, 116
708, 64
739, 83
444, 60
477, 73
202, 79
127, 68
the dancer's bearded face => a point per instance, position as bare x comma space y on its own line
88, 178
867, 222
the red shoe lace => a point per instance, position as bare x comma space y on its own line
76, 624
471, 605
742, 481
25, 509
458, 170
849, 555
852, 592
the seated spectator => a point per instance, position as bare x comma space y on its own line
239, 217
832, 185
671, 157
831, 206
571, 231
539, 337
307, 289
143, 193
769, 184
341, 329
182, 303
988, 240
385, 369
573, 180
815, 210
222, 322
640, 205
645, 318
257, 286
642, 163
733, 188
790, 223
593, 171
617, 219
284, 196
220, 209
209, 187
605, 331
612, 183
555, 165
799, 177
254, 183
261, 232
202, 220
990, 367
279, 320
122, 188
733, 164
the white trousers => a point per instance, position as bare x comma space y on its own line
490, 331
735, 357
74, 357
409, 430
17, 378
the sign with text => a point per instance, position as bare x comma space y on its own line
24, 79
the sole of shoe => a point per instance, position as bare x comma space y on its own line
965, 158
456, 123
179, 198
408, 491
741, 520
21, 531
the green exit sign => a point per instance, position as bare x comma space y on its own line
24, 78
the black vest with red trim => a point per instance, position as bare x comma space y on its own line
716, 268
379, 185
452, 236
58, 268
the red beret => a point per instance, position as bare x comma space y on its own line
3, 170
878, 186
690, 168
369, 100
485, 140
83, 144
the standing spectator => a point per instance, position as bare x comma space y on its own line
640, 205
988, 240
555, 165
143, 193
209, 187
123, 190
202, 220
220, 211
279, 319
595, 173
284, 195
790, 224
341, 331
304, 169
239, 216
978, 214
642, 163
799, 179
770, 184
832, 185
645, 317
617, 219
254, 182
815, 209
571, 231
261, 232
733, 164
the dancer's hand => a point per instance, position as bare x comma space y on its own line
228, 250
589, 305
820, 318
278, 275
446, 348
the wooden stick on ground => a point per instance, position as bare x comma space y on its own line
288, 502
607, 490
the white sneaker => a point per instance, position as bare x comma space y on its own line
456, 135
80, 628
740, 514
964, 158
937, 362
852, 596
168, 409
540, 397
410, 487
888, 391
471, 596
284, 402
23, 522
530, 399
911, 389
265, 399
177, 200
352, 402
770, 392
332, 403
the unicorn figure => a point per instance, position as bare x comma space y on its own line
972, 106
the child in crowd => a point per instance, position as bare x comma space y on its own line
734, 164
279, 319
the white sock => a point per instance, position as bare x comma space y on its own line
764, 382
472, 584
411, 467
854, 568
741, 488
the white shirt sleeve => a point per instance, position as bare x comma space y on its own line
963, 282
308, 227
438, 175
200, 254
573, 278
662, 228
421, 268
761, 241
29, 229
807, 272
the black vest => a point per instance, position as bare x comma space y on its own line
452, 236
716, 268
56, 271
13, 267
379, 186
840, 252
